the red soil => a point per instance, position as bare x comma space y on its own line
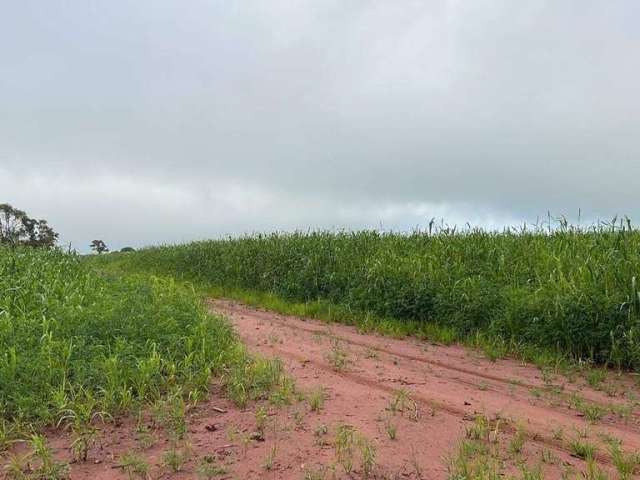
450, 386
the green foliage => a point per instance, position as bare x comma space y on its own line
17, 228
570, 290
349, 444
134, 465
77, 346
582, 449
99, 246
208, 468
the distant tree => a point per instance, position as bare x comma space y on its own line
17, 228
99, 246
127, 249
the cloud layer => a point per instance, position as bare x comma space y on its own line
144, 122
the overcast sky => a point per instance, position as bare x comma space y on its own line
144, 121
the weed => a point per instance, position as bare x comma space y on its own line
48, 468
175, 457
270, 458
146, 437
593, 412
626, 463
134, 465
208, 468
558, 434
316, 399
371, 353
593, 472
479, 429
402, 402
17, 467
337, 356
320, 433
286, 392
348, 443
517, 442
80, 420
392, 429
595, 377
415, 463
473, 462
582, 449
261, 419
549, 457
534, 473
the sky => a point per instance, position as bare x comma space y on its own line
143, 122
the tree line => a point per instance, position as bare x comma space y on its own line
19, 229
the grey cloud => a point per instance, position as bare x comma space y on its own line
205, 118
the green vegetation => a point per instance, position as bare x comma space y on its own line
78, 347
567, 290
349, 444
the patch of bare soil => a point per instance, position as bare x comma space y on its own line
409, 401
451, 389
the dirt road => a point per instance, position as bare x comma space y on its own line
409, 401
446, 393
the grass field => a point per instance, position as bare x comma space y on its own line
76, 344
569, 291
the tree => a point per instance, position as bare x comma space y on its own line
17, 228
127, 249
99, 246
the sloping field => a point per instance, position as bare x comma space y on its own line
567, 291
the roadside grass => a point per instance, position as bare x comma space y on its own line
365, 322
552, 290
494, 343
79, 347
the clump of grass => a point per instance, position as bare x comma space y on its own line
627, 464
134, 465
350, 444
337, 356
176, 456
595, 377
392, 429
472, 461
403, 403
320, 472
316, 399
592, 412
208, 468
270, 459
517, 442
36, 464
262, 417
170, 413
479, 429
582, 449
593, 471
286, 392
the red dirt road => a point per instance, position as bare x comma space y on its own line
444, 389
451, 386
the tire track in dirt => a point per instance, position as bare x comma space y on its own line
537, 428
593, 398
506, 426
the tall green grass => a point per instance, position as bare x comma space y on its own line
73, 340
565, 289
